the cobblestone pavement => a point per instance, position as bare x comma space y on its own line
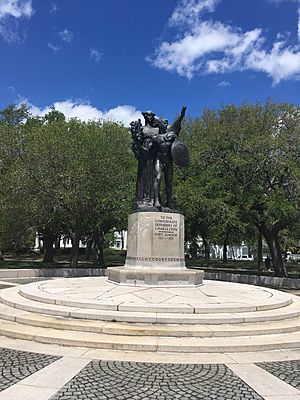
288, 371
101, 380
17, 365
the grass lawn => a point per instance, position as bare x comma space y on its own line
115, 257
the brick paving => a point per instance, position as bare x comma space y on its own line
17, 365
104, 380
287, 371
117, 380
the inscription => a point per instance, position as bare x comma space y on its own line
155, 258
166, 227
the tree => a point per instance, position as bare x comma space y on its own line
209, 208
13, 210
251, 153
97, 178
66, 177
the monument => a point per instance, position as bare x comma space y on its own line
155, 253
145, 306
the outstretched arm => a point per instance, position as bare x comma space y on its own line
176, 126
182, 114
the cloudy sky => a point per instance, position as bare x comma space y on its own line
115, 58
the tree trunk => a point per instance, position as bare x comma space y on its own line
272, 239
48, 242
96, 246
99, 248
279, 259
206, 249
225, 243
194, 248
75, 237
88, 249
40, 244
57, 244
259, 252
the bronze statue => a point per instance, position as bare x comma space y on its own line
156, 146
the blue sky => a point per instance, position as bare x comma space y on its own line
115, 58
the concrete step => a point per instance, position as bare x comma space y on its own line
69, 313
150, 344
12, 298
8, 313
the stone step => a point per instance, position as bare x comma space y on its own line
150, 344
8, 313
12, 298
32, 292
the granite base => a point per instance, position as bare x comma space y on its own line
154, 277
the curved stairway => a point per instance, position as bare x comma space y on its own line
92, 312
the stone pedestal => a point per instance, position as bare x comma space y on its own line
155, 253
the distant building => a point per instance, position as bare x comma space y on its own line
120, 240
64, 243
233, 252
240, 252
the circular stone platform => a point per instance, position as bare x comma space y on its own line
101, 294
94, 312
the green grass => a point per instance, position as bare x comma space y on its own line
240, 267
33, 260
115, 258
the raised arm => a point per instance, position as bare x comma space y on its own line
176, 126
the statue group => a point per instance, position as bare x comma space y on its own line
156, 146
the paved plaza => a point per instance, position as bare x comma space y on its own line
58, 373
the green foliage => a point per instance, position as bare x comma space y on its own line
60, 176
77, 178
244, 173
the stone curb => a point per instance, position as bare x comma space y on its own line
50, 272
6, 284
269, 281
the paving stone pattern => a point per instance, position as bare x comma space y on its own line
102, 380
288, 371
17, 365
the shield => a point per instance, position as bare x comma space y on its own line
180, 153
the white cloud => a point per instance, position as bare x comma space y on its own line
299, 19
54, 48
191, 53
210, 46
95, 54
12, 89
280, 1
53, 8
280, 63
15, 8
85, 111
10, 32
188, 11
10, 13
224, 84
66, 35
124, 114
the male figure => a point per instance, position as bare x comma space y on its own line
152, 147
164, 162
